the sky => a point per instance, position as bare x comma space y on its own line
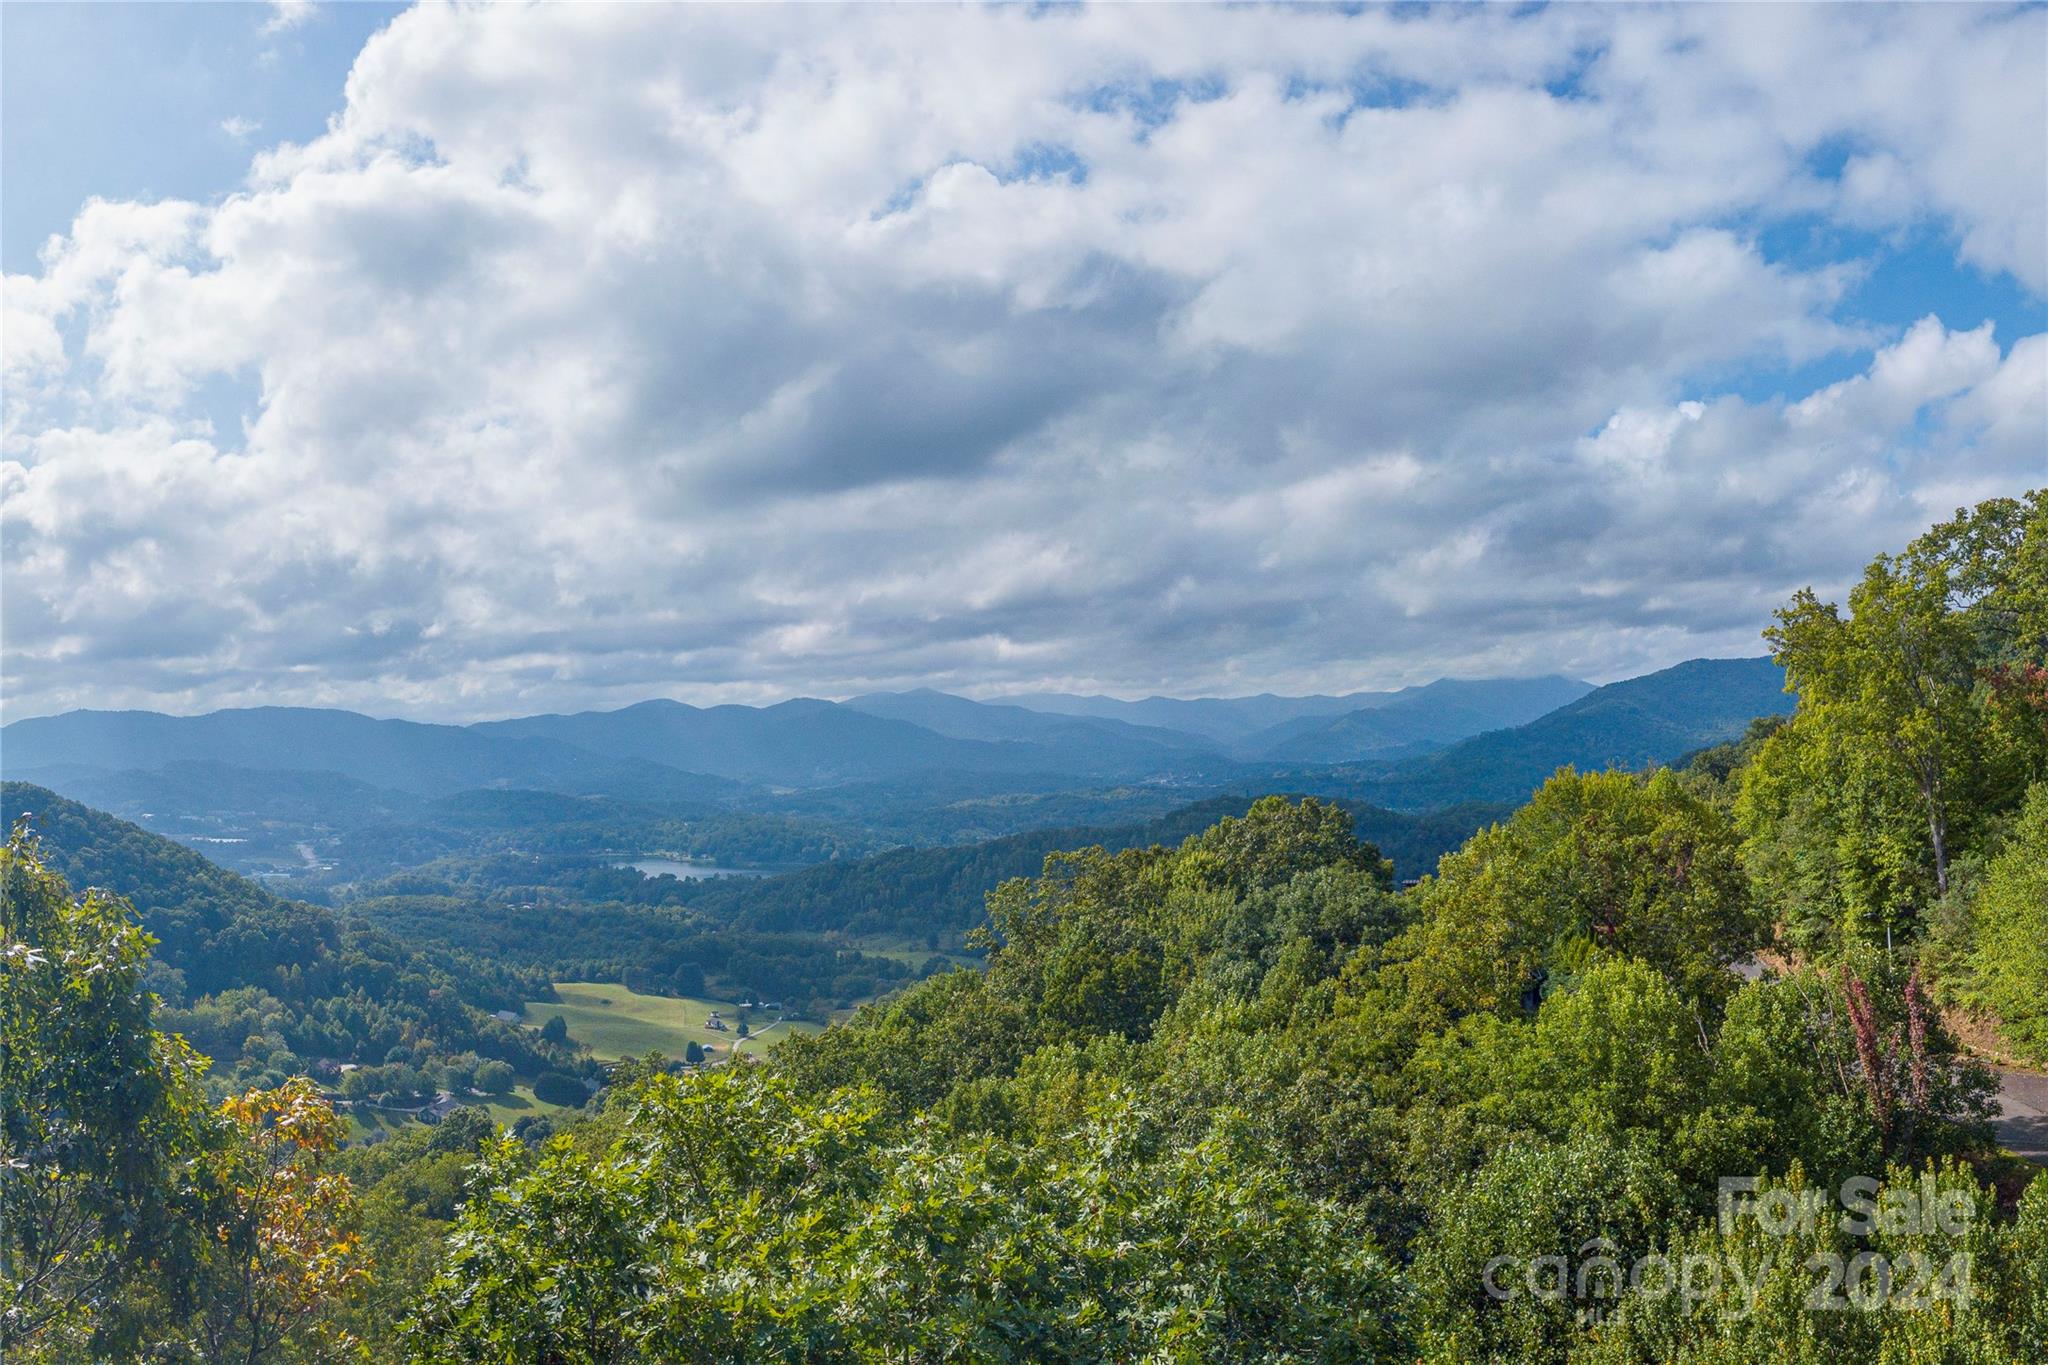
456, 362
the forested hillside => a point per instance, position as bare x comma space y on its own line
791, 937
1229, 1096
915, 892
1651, 719
268, 988
1474, 1121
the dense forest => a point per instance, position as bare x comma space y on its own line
649, 948
579, 918
1688, 1063
916, 893
268, 989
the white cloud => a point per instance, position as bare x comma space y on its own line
240, 128
604, 351
287, 14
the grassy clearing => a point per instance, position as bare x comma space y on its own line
363, 1122
616, 1022
517, 1104
504, 1109
915, 957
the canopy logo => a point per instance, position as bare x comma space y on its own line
1730, 1279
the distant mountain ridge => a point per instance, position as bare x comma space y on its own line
1441, 744
1226, 719
1442, 712
961, 718
403, 755
1327, 729
1655, 718
806, 742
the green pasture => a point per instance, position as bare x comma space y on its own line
615, 1022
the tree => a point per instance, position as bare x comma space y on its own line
494, 1078
1596, 865
1917, 702
1274, 841
282, 1239
1843, 1068
693, 1052
99, 1112
1588, 1205
552, 1087
548, 1276
2008, 968
1952, 1285
1620, 1053
736, 1219
1832, 842
555, 1030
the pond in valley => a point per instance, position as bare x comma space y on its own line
676, 867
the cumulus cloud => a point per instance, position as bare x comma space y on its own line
599, 352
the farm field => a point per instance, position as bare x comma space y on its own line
505, 1109
616, 1022
916, 955
518, 1103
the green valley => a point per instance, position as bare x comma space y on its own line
1219, 1084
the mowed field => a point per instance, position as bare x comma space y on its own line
506, 1108
616, 1022
516, 1104
912, 955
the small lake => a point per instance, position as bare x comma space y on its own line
658, 867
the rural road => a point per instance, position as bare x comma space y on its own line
2022, 1122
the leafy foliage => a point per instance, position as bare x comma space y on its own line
1957, 1288
279, 1238
136, 1221
2005, 970
265, 986
1920, 720
739, 1221
1596, 865
97, 1110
